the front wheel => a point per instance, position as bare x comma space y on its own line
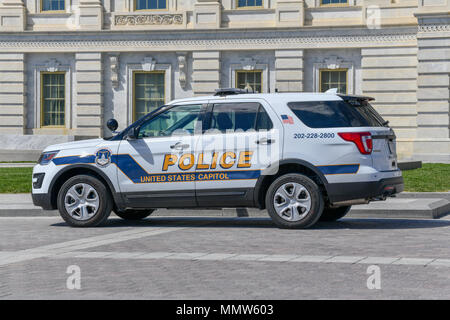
294, 201
84, 201
131, 214
333, 214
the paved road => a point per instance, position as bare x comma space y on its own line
224, 258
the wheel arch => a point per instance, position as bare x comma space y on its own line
289, 166
74, 170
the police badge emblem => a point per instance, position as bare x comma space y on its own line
103, 157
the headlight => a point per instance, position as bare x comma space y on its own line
46, 157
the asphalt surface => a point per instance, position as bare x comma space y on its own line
224, 258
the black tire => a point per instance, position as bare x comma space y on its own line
315, 194
131, 214
333, 214
105, 202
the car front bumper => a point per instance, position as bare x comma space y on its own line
43, 200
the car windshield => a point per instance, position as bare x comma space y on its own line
137, 122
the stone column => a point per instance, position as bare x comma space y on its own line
290, 13
289, 70
91, 15
205, 72
207, 14
89, 94
13, 16
12, 93
433, 119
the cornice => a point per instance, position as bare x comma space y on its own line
434, 28
232, 40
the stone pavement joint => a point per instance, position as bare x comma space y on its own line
84, 243
204, 256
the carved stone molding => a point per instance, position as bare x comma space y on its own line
181, 57
52, 65
148, 19
114, 61
187, 42
148, 64
333, 62
248, 64
434, 27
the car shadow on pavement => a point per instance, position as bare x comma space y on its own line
229, 222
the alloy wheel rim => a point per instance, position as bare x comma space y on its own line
81, 201
292, 201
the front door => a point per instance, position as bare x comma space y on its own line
157, 169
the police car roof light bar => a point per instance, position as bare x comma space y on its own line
230, 91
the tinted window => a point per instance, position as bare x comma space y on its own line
240, 116
179, 119
333, 114
263, 121
234, 116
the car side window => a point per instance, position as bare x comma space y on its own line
244, 116
179, 120
263, 121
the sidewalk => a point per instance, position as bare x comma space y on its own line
413, 205
17, 164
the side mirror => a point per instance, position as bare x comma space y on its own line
112, 125
133, 133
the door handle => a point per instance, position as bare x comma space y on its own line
265, 141
179, 146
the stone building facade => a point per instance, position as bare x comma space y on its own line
66, 66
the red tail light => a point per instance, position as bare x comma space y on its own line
363, 140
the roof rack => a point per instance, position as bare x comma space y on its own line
230, 91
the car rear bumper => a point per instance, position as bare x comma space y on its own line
369, 190
42, 200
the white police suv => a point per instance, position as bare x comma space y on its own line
303, 156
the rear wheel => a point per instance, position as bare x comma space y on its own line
132, 214
294, 201
333, 214
84, 201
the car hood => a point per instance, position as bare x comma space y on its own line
75, 145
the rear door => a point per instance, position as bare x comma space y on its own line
237, 146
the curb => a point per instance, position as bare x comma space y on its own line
436, 210
414, 205
424, 195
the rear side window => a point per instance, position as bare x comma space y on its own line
263, 121
239, 116
334, 114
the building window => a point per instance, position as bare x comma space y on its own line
53, 5
251, 80
150, 4
333, 2
149, 92
333, 79
249, 3
53, 101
